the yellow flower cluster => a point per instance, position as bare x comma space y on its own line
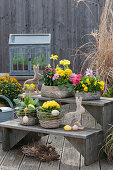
102, 85
61, 73
58, 69
87, 81
65, 62
51, 104
68, 72
54, 57
30, 87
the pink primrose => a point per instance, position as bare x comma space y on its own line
76, 79
55, 77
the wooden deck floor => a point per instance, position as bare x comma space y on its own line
70, 159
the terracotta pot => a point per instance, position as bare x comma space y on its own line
88, 95
55, 92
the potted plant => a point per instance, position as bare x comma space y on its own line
57, 79
49, 114
26, 110
10, 87
88, 87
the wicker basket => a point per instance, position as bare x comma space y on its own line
31, 121
47, 120
55, 123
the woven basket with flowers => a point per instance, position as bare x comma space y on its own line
49, 114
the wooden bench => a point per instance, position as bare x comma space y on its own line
87, 141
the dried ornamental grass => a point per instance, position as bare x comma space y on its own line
100, 55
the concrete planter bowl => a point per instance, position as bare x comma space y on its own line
88, 96
55, 92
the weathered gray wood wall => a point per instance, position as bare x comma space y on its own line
68, 25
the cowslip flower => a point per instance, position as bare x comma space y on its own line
54, 57
89, 72
55, 77
64, 62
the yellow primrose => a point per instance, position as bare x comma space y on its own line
27, 85
85, 88
32, 86
57, 69
61, 72
87, 81
83, 85
68, 72
54, 57
95, 83
51, 104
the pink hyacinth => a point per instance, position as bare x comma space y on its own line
89, 72
72, 76
56, 76
76, 79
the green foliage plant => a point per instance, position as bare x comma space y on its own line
28, 103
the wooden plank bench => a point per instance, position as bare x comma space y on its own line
87, 141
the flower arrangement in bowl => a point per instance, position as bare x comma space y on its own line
26, 110
49, 114
56, 80
88, 87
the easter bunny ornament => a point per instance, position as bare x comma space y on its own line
76, 116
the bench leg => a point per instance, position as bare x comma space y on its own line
11, 137
89, 148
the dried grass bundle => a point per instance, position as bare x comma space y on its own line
100, 56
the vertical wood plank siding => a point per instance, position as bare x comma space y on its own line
68, 25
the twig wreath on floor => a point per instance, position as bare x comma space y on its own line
41, 152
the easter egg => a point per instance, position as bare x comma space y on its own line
75, 127
25, 119
55, 112
67, 128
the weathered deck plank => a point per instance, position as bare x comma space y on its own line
12, 160
57, 142
29, 163
70, 158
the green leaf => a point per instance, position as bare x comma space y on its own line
36, 102
17, 101
61, 86
71, 89
31, 101
26, 100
